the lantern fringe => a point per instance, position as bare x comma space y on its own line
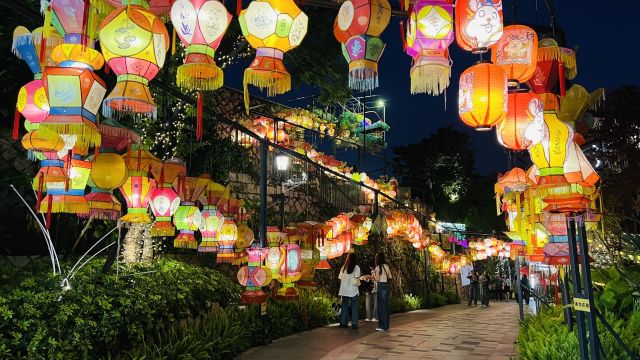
67, 204
274, 82
363, 79
101, 214
87, 132
555, 53
120, 132
200, 76
136, 218
185, 243
225, 258
432, 79
115, 108
162, 231
208, 246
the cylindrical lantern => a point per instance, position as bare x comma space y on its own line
200, 24
478, 24
482, 96
429, 34
187, 218
516, 53
289, 271
522, 110
70, 198
228, 231
136, 191
254, 276
134, 42
272, 28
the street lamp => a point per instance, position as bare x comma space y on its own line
381, 104
282, 164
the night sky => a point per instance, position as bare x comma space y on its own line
606, 54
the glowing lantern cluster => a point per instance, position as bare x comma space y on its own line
481, 250
403, 225
134, 42
357, 27
478, 24
360, 230
272, 28
212, 218
482, 97
164, 200
187, 217
429, 34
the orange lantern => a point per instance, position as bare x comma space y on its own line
523, 109
478, 24
516, 53
482, 96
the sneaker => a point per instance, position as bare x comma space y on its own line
367, 319
379, 329
374, 319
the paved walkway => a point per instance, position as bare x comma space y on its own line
453, 332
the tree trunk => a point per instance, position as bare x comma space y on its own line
147, 247
133, 243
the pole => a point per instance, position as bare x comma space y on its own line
594, 339
264, 153
426, 278
577, 286
282, 198
519, 288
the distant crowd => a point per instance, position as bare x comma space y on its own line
485, 287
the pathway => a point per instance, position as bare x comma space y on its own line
447, 333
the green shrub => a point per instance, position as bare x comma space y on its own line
436, 300
102, 313
413, 302
451, 297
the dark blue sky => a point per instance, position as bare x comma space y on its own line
603, 33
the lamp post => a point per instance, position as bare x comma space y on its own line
282, 165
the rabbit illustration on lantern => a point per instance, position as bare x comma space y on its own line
535, 132
485, 27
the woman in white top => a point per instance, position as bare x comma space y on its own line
382, 275
349, 281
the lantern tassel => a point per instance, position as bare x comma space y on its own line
403, 36
49, 205
199, 109
96, 152
39, 194
67, 171
238, 7
106, 68
85, 23
173, 41
16, 125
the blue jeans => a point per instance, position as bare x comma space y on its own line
383, 305
344, 312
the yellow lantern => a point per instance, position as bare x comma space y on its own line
272, 27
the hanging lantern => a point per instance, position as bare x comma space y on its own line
138, 187
429, 34
478, 24
272, 28
289, 272
212, 218
200, 24
554, 65
523, 108
134, 42
103, 205
482, 97
187, 218
70, 198
157, 7
245, 237
164, 200
516, 53
357, 27
254, 276
116, 136
229, 230
109, 171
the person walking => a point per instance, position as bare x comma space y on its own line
382, 275
349, 281
499, 288
507, 287
473, 288
371, 300
484, 288
525, 289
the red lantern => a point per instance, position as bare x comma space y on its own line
523, 109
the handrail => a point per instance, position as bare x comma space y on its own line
615, 335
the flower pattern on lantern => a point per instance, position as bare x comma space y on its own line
357, 27
429, 34
134, 42
478, 24
482, 96
187, 217
523, 109
272, 28
164, 200
516, 53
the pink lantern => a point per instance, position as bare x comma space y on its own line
253, 276
429, 34
164, 203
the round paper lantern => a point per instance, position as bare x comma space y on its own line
429, 34
164, 203
482, 96
523, 108
34, 140
272, 27
109, 171
32, 102
516, 53
478, 24
134, 42
200, 24
136, 190
361, 17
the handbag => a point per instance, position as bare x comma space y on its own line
355, 281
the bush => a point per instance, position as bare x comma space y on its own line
436, 300
451, 297
102, 313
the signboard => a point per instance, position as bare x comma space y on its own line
581, 304
464, 273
